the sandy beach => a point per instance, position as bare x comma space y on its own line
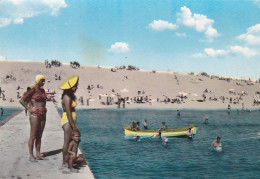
131, 87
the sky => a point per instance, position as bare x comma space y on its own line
220, 37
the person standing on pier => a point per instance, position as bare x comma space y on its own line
68, 102
37, 98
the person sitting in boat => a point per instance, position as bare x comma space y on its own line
144, 122
164, 127
158, 135
189, 133
138, 126
132, 125
216, 144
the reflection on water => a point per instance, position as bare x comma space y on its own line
112, 156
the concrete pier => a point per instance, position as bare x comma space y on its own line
14, 152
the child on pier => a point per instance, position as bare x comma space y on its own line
73, 149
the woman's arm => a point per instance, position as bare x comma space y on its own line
68, 109
26, 97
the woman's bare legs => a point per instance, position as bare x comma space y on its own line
67, 137
34, 122
42, 120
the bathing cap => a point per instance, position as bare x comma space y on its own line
38, 78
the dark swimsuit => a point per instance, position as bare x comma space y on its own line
39, 96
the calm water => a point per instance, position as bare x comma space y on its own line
7, 112
111, 156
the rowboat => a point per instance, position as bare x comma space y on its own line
171, 132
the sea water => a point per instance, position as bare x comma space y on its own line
110, 155
7, 112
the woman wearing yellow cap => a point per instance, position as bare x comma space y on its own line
68, 101
36, 97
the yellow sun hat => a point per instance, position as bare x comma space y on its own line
69, 82
38, 78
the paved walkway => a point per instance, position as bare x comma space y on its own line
14, 153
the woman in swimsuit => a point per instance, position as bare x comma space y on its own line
69, 87
36, 97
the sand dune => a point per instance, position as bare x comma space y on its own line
99, 86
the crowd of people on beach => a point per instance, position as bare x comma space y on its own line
207, 95
120, 99
75, 64
54, 63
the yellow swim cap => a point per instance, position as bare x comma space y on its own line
69, 82
38, 78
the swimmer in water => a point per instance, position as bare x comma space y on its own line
258, 135
165, 141
216, 144
205, 120
137, 138
178, 113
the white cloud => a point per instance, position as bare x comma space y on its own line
181, 34
197, 21
214, 53
198, 55
257, 2
55, 5
210, 52
232, 50
254, 29
18, 21
160, 25
245, 51
4, 22
252, 36
119, 47
15, 11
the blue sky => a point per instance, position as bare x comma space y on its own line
219, 37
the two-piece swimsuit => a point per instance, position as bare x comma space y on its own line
39, 96
64, 118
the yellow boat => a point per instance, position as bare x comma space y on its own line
171, 132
